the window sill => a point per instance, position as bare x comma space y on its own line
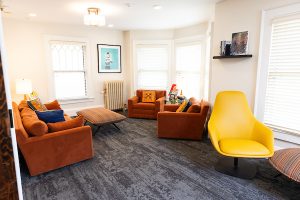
292, 138
75, 100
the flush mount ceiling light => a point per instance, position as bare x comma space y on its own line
93, 18
157, 7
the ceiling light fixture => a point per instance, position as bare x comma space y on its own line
93, 18
157, 7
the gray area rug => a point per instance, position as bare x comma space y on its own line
133, 164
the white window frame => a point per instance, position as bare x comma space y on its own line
263, 61
51, 91
188, 42
136, 43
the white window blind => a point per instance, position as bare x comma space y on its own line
69, 69
188, 70
282, 101
152, 66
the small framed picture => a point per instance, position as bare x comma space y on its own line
109, 58
239, 43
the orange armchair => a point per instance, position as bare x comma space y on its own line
137, 109
182, 125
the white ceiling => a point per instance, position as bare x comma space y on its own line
139, 15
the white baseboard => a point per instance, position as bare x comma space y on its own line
73, 111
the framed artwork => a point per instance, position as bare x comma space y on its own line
239, 43
109, 58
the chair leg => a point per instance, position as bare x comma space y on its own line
97, 129
240, 168
116, 126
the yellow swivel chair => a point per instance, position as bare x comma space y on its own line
234, 132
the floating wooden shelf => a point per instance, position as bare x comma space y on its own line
233, 56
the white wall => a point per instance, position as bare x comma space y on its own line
234, 16
240, 74
191, 31
25, 44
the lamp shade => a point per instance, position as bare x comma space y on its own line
23, 86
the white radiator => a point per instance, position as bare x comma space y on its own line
113, 97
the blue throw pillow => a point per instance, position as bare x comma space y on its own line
187, 106
51, 116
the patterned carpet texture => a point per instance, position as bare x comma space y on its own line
132, 163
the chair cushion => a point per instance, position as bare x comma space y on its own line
144, 106
32, 124
72, 123
188, 105
287, 161
195, 108
36, 104
54, 105
51, 116
182, 106
149, 96
243, 147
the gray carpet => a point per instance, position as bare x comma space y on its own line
134, 164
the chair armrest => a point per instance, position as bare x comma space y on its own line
214, 135
133, 100
264, 135
159, 104
171, 107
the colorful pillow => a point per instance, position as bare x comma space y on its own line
149, 96
32, 124
54, 105
182, 106
60, 126
195, 108
188, 105
36, 104
51, 116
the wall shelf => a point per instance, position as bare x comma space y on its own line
233, 56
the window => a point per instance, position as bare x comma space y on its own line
188, 70
277, 101
282, 101
152, 66
69, 69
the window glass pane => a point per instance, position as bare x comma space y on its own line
152, 63
282, 101
69, 85
188, 58
188, 67
152, 58
67, 57
189, 83
152, 80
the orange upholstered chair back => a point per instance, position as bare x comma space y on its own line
21, 134
158, 94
